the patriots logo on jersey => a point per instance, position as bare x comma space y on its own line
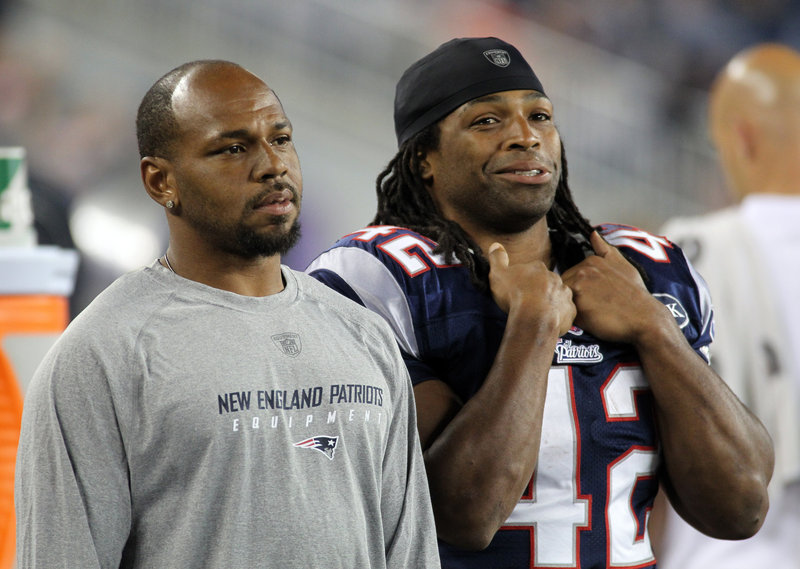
567, 352
325, 445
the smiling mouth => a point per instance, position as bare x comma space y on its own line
534, 172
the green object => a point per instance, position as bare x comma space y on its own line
8, 169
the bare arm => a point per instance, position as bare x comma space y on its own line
477, 466
718, 456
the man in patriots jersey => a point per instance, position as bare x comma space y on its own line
560, 370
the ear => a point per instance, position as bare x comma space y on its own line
425, 168
746, 142
158, 180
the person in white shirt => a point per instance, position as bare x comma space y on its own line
749, 254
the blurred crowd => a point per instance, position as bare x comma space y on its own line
687, 41
80, 138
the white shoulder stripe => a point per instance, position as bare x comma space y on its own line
704, 293
375, 286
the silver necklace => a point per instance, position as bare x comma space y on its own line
169, 266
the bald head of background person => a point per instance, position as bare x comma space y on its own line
754, 120
749, 254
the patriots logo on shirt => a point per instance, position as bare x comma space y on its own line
325, 445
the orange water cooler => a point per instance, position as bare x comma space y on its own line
35, 284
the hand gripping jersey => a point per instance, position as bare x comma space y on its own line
588, 501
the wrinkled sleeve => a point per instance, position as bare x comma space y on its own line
409, 528
72, 494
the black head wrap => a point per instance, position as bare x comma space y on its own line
454, 73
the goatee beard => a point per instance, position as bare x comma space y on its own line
251, 244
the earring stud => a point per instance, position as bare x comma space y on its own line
170, 204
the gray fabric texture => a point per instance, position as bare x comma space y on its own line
174, 425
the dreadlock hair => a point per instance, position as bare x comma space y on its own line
404, 200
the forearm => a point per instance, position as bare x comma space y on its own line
718, 456
480, 464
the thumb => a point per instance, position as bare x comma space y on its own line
498, 257
600, 246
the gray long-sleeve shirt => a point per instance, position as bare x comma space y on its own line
177, 425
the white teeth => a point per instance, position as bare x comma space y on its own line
534, 172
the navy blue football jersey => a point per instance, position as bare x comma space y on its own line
588, 501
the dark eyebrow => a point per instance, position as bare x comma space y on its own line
245, 133
240, 133
497, 97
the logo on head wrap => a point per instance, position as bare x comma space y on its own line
499, 57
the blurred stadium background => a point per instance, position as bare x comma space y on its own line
628, 79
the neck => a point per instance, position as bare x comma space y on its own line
247, 277
528, 246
